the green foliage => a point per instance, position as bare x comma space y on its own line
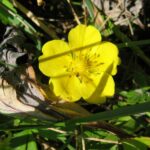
23, 140
52, 135
138, 143
9, 5
9, 16
136, 96
144, 140
134, 145
5, 143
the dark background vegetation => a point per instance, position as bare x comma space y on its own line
132, 81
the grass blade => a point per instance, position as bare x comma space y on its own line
113, 114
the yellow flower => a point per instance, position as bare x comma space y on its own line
86, 73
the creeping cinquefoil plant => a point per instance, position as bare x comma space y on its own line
80, 73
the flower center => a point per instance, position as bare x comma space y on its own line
82, 66
78, 67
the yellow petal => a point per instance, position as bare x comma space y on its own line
108, 59
83, 35
88, 85
66, 87
105, 88
51, 65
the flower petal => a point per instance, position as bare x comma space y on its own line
66, 87
105, 88
51, 65
107, 57
88, 85
83, 35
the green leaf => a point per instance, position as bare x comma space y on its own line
23, 140
96, 133
114, 147
90, 9
55, 136
131, 126
9, 5
133, 145
136, 96
52, 135
144, 140
113, 114
126, 118
5, 144
8, 16
32, 144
